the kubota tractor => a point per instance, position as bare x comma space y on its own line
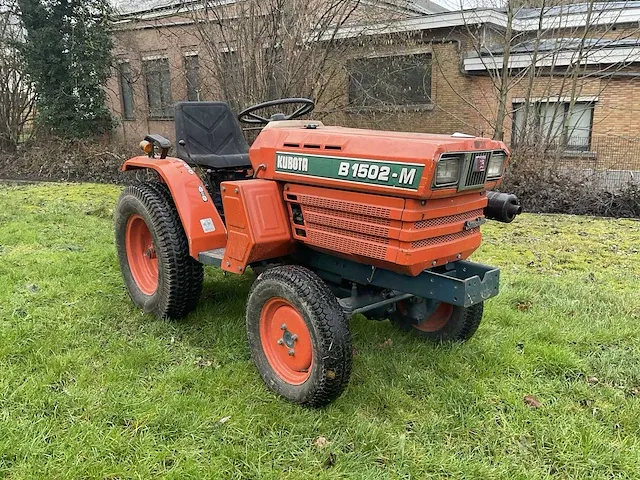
335, 221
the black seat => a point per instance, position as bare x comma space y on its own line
212, 135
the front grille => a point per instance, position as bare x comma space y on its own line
476, 178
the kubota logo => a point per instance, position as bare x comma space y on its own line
296, 164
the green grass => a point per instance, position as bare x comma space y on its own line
92, 388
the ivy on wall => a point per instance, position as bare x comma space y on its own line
68, 57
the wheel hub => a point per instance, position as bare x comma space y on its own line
286, 341
289, 338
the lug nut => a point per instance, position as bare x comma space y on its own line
291, 352
294, 337
283, 326
280, 341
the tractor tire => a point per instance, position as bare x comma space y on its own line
449, 323
299, 336
192, 295
160, 276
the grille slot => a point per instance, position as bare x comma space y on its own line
459, 217
427, 242
351, 216
348, 222
331, 241
369, 210
476, 179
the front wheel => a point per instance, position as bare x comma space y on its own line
299, 336
447, 323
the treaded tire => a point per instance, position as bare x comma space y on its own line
460, 326
326, 327
179, 276
196, 269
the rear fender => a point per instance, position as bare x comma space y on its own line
200, 219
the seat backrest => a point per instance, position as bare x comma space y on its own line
208, 128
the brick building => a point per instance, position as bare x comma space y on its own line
418, 67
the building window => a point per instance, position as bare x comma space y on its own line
402, 80
555, 123
126, 90
192, 68
158, 75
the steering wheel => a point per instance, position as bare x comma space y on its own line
247, 115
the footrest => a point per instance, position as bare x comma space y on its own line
212, 257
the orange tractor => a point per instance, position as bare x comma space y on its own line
335, 221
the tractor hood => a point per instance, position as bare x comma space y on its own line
389, 163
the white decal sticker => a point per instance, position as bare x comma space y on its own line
207, 225
202, 194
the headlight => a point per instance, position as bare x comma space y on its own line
496, 164
447, 171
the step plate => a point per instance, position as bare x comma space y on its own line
212, 257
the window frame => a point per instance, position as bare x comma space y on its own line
193, 92
354, 99
538, 104
128, 78
166, 105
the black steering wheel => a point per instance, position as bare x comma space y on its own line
247, 115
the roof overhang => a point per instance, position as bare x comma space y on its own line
603, 56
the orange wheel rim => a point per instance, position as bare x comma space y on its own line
437, 320
286, 341
141, 255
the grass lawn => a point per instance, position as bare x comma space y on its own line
92, 388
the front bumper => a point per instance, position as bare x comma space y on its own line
460, 283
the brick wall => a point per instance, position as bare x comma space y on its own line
460, 102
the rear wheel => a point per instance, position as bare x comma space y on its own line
153, 252
299, 336
446, 323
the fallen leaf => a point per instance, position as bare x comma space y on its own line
532, 401
382, 460
592, 380
387, 343
203, 362
321, 442
330, 461
523, 306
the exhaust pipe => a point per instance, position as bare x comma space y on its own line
503, 207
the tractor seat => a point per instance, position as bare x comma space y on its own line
211, 134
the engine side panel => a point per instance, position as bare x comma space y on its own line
257, 223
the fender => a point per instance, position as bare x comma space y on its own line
200, 219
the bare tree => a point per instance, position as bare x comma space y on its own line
251, 51
560, 65
16, 90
